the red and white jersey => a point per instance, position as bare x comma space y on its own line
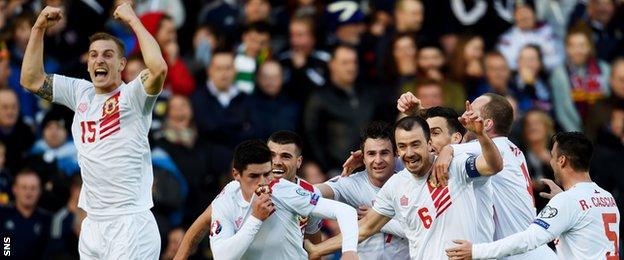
433, 217
357, 190
511, 194
280, 235
586, 220
110, 132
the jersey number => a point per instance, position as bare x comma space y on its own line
423, 213
527, 177
611, 218
88, 131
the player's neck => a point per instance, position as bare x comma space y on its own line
246, 197
25, 211
574, 178
426, 168
106, 90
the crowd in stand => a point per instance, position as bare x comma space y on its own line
243, 69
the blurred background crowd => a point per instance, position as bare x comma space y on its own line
241, 69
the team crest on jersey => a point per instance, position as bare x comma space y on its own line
404, 201
548, 212
302, 192
110, 106
215, 228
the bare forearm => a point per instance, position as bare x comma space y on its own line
150, 50
492, 156
33, 75
193, 236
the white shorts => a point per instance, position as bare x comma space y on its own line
132, 236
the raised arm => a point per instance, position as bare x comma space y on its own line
153, 77
490, 161
194, 234
33, 78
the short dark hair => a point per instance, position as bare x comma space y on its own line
576, 147
342, 46
287, 137
500, 111
259, 27
250, 152
451, 118
107, 37
26, 172
408, 122
377, 130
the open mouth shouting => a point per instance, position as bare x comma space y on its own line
100, 73
278, 173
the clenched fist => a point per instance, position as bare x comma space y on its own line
48, 17
125, 13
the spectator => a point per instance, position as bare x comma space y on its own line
605, 31
400, 62
27, 225
272, 109
556, 14
538, 128
346, 23
179, 79
192, 156
173, 8
600, 113
65, 227
19, 33
607, 163
531, 88
133, 68
6, 179
466, 64
223, 112
252, 51
335, 114
14, 133
205, 40
55, 158
312, 173
408, 16
305, 68
5, 69
430, 94
497, 76
431, 65
527, 30
580, 82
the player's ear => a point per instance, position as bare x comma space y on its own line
299, 161
123, 64
489, 124
456, 138
562, 161
236, 174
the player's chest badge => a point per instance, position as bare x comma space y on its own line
109, 106
404, 201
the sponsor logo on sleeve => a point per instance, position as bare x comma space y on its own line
303, 192
541, 223
215, 228
548, 212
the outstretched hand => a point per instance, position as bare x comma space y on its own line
471, 121
48, 17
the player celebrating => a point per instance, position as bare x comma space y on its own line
359, 191
111, 124
584, 217
286, 147
431, 215
267, 225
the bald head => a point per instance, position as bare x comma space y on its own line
9, 108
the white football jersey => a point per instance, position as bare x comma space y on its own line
110, 133
357, 190
433, 217
280, 235
586, 220
510, 192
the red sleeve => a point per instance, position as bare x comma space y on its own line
180, 79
